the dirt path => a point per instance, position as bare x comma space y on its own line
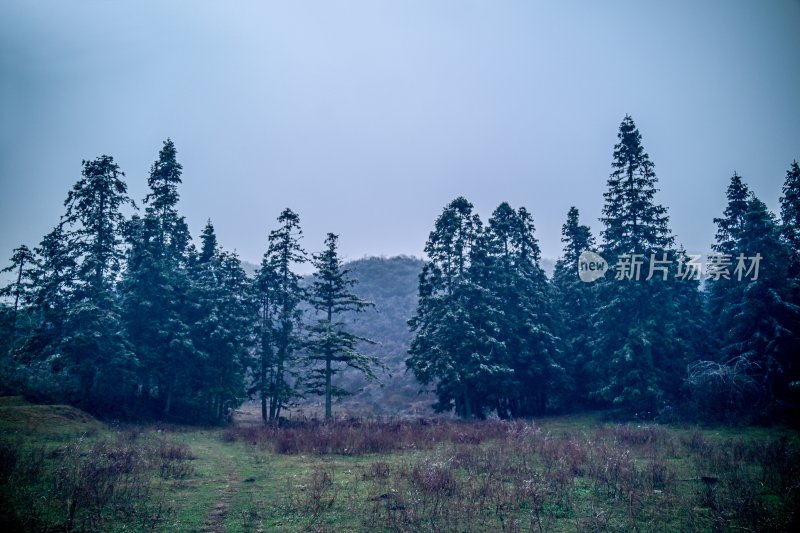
215, 519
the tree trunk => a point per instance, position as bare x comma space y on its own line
263, 387
328, 415
168, 404
272, 403
16, 295
328, 356
277, 393
467, 406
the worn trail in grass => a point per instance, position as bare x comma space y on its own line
215, 520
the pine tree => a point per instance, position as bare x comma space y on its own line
506, 265
279, 295
764, 334
52, 287
93, 212
263, 290
222, 335
165, 176
34, 362
155, 287
23, 263
750, 300
731, 225
22, 266
330, 342
94, 344
790, 215
633, 317
455, 344
633, 222
790, 228
723, 291
208, 242
53, 276
575, 303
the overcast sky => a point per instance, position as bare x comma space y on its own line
367, 117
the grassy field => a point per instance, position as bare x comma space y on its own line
62, 470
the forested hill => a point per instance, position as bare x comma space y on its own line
377, 264
391, 284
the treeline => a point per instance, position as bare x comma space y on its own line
659, 333
126, 317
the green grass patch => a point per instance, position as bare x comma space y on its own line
573, 473
23, 418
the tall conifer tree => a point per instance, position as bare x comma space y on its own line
790, 228
222, 333
23, 263
634, 317
790, 215
763, 335
156, 288
455, 345
506, 265
330, 343
94, 344
279, 295
722, 290
575, 302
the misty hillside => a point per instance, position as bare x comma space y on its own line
391, 284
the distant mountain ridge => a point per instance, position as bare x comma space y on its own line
547, 264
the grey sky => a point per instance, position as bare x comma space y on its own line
367, 117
